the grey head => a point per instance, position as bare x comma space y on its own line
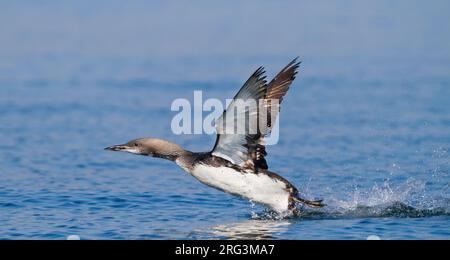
150, 147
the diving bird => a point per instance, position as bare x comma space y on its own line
236, 164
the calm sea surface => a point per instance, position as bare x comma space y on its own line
375, 151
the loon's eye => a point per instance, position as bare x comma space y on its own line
135, 144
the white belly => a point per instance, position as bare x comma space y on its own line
258, 188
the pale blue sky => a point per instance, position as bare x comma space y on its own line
211, 40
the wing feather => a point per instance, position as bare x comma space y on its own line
247, 148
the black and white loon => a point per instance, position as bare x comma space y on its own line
236, 164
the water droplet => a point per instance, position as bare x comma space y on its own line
73, 237
373, 237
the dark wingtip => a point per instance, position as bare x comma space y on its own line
296, 63
292, 67
259, 73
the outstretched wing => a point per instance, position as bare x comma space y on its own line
230, 145
246, 148
276, 90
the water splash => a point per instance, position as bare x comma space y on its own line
408, 193
408, 200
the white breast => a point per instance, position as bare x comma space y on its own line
258, 188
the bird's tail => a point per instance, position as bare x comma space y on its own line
310, 203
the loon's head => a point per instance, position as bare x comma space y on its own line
150, 147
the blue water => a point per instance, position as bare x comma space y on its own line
366, 129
